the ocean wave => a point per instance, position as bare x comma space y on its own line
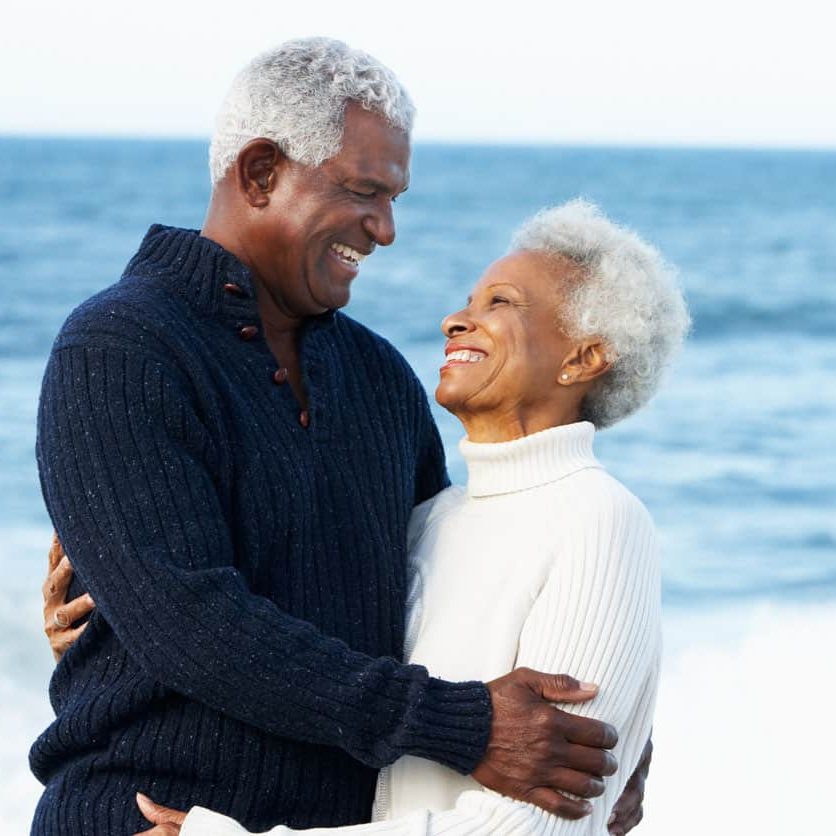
743, 731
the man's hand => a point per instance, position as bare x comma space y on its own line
537, 752
167, 821
628, 811
59, 616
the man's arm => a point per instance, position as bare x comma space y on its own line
122, 456
129, 492
598, 608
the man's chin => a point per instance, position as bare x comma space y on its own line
332, 298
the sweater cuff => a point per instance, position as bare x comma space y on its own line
451, 725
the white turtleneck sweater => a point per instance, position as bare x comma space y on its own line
544, 561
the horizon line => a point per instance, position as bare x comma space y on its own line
659, 145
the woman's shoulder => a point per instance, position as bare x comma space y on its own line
598, 507
595, 491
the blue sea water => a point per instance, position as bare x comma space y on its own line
735, 458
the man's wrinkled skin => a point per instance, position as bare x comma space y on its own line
525, 693
525, 684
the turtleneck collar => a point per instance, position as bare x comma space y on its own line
528, 462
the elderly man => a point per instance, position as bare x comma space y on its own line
231, 464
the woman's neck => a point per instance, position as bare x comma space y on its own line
497, 425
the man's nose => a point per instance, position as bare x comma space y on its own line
380, 224
456, 323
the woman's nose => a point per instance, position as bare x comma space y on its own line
456, 323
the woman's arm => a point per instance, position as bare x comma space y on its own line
598, 615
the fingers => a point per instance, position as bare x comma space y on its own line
56, 552
60, 643
560, 687
156, 813
577, 783
647, 755
77, 608
58, 582
557, 804
589, 759
621, 825
589, 732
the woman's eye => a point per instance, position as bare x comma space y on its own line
499, 300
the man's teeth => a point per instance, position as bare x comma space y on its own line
465, 356
347, 253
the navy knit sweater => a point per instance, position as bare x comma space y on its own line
249, 571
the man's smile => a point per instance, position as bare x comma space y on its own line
348, 254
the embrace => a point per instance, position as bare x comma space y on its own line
274, 612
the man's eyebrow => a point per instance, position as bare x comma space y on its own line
378, 185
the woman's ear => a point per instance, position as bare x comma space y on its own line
587, 360
256, 170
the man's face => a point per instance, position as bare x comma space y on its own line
307, 243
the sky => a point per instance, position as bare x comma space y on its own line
635, 72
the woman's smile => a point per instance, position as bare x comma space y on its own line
462, 355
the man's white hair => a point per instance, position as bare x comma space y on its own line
624, 293
296, 95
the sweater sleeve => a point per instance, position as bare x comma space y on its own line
598, 618
123, 457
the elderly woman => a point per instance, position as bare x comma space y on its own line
543, 560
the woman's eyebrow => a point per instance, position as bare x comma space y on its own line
504, 284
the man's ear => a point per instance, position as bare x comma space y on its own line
256, 170
587, 360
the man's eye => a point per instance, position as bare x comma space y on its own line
361, 194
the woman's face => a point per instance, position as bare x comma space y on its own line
505, 350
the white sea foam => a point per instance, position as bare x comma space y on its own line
744, 736
744, 729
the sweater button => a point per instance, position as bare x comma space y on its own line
304, 418
280, 376
248, 332
234, 289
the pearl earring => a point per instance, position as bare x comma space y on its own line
564, 376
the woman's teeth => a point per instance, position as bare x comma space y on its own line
465, 356
348, 254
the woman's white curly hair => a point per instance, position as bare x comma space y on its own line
296, 95
624, 293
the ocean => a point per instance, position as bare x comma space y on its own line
734, 458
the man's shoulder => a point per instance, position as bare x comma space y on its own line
127, 313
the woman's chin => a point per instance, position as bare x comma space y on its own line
447, 397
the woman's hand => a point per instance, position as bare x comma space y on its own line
59, 616
167, 821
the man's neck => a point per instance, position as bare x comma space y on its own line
281, 329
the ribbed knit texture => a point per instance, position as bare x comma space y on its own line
545, 562
249, 573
